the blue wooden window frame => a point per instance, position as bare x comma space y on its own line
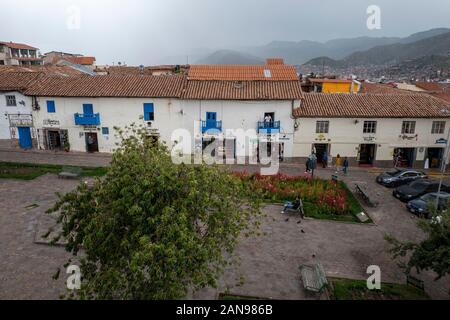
149, 112
105, 131
51, 106
88, 109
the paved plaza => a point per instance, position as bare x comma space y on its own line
269, 264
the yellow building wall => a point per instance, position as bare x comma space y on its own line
332, 87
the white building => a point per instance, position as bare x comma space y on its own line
82, 111
12, 53
16, 122
370, 128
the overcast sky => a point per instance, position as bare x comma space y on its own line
147, 31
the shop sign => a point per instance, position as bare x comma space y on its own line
20, 120
51, 123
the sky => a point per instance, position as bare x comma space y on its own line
159, 31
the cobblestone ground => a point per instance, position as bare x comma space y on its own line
269, 264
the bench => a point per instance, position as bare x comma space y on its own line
359, 190
70, 172
419, 284
313, 278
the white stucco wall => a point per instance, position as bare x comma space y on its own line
5, 132
170, 114
345, 136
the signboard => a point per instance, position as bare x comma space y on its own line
369, 139
50, 123
441, 141
20, 120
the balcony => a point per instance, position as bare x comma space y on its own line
82, 119
211, 125
268, 127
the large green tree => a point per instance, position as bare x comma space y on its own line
433, 253
151, 229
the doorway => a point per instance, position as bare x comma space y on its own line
91, 142
25, 141
367, 154
320, 150
54, 140
434, 156
404, 157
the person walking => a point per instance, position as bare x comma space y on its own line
307, 165
325, 160
345, 165
338, 163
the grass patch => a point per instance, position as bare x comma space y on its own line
348, 289
30, 171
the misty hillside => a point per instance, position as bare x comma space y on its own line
438, 45
300, 52
230, 57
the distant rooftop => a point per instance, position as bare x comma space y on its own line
15, 45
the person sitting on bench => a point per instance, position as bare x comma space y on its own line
295, 205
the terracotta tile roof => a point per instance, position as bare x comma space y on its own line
242, 72
15, 45
108, 86
123, 70
433, 86
274, 61
382, 88
17, 81
46, 69
243, 90
335, 105
85, 61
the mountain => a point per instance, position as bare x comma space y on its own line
424, 35
395, 53
230, 57
300, 52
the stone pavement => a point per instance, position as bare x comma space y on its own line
269, 264
55, 157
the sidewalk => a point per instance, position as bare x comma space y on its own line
55, 157
8, 154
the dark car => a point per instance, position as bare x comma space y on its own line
398, 177
417, 189
420, 206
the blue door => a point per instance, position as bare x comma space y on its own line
88, 109
211, 116
25, 137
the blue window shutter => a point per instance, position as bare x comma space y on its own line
51, 106
105, 130
148, 111
88, 109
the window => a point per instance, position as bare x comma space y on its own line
408, 127
438, 127
11, 101
51, 107
370, 127
149, 112
105, 131
322, 126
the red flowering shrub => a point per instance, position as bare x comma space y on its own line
323, 195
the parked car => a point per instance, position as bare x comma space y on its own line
420, 206
417, 189
398, 177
